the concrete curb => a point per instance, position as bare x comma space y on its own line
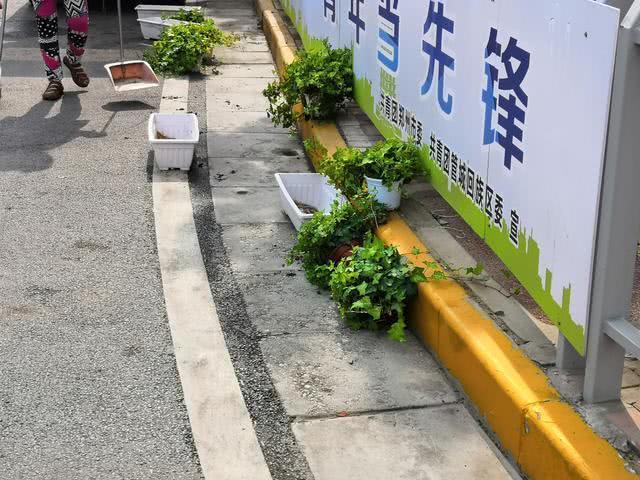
545, 436
222, 428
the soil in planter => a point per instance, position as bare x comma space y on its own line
162, 136
304, 208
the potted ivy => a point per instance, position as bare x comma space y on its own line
182, 47
385, 168
389, 165
321, 80
327, 238
373, 286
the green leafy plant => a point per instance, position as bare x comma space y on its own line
181, 47
321, 235
344, 170
392, 161
191, 15
320, 79
373, 285
314, 148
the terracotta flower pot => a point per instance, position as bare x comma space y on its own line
343, 251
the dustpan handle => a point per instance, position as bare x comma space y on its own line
4, 22
120, 28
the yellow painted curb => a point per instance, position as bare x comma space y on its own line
546, 437
264, 5
282, 48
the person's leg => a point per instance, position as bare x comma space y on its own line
47, 22
78, 28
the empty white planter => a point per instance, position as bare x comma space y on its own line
182, 132
391, 198
309, 188
146, 11
153, 27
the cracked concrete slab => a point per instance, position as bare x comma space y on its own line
256, 248
233, 56
226, 172
247, 71
285, 302
236, 102
249, 86
440, 443
248, 205
325, 374
252, 145
242, 122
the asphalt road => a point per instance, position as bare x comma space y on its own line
88, 381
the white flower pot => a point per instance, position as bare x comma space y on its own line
309, 188
182, 134
146, 11
152, 27
389, 197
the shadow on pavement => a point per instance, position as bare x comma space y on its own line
127, 106
50, 132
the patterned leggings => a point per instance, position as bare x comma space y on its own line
77, 24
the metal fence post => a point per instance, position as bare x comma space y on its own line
619, 219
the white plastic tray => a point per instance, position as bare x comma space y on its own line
309, 188
152, 27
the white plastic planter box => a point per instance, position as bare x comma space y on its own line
153, 27
182, 133
390, 198
309, 188
146, 11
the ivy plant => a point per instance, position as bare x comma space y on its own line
392, 161
344, 171
372, 287
190, 15
323, 233
181, 47
320, 79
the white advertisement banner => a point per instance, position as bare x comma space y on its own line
511, 99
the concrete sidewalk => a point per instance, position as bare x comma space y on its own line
360, 406
88, 380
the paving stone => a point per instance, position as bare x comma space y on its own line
232, 56
252, 145
240, 24
231, 12
247, 205
247, 71
280, 303
221, 84
427, 444
257, 172
324, 374
630, 378
243, 122
353, 130
256, 248
236, 102
247, 43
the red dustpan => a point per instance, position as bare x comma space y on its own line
131, 75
